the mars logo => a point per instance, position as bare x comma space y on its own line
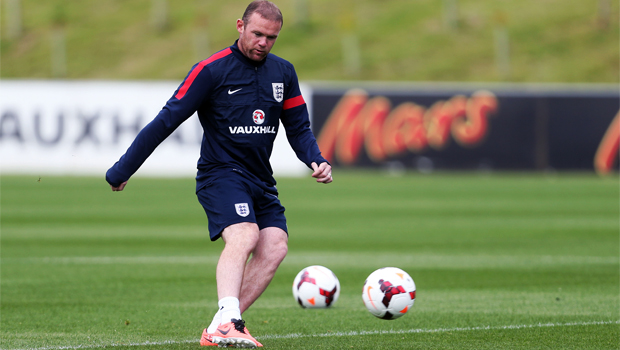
359, 122
607, 153
258, 116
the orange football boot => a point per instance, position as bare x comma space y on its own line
207, 339
234, 334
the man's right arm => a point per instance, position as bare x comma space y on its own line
143, 146
186, 100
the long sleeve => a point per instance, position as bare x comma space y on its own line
296, 122
182, 105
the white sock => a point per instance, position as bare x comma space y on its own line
229, 307
217, 320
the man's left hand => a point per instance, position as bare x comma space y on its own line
322, 173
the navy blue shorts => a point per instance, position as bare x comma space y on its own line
233, 199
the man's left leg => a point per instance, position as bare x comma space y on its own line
270, 250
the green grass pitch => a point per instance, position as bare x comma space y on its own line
501, 261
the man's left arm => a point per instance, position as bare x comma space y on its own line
296, 121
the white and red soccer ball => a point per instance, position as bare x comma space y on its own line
388, 293
316, 287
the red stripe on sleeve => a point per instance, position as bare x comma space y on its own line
194, 73
294, 102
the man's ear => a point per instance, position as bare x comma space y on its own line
240, 26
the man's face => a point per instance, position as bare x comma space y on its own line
256, 38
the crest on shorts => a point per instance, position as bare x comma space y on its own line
278, 91
242, 209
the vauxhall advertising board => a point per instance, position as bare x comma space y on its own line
501, 127
83, 127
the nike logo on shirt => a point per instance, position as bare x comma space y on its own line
232, 92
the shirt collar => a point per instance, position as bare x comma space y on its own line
243, 58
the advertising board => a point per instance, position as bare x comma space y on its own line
516, 127
83, 127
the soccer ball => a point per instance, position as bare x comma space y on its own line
388, 293
316, 287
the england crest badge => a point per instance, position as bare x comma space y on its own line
243, 209
278, 91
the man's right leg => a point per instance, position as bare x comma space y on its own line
259, 271
228, 202
240, 240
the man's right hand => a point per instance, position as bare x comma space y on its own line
120, 187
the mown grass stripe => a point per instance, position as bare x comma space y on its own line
349, 259
345, 334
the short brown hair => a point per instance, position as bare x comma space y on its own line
267, 9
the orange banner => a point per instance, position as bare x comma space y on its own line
358, 121
607, 153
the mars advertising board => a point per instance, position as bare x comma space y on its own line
496, 127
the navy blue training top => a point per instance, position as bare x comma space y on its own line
239, 103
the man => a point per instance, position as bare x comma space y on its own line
240, 93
